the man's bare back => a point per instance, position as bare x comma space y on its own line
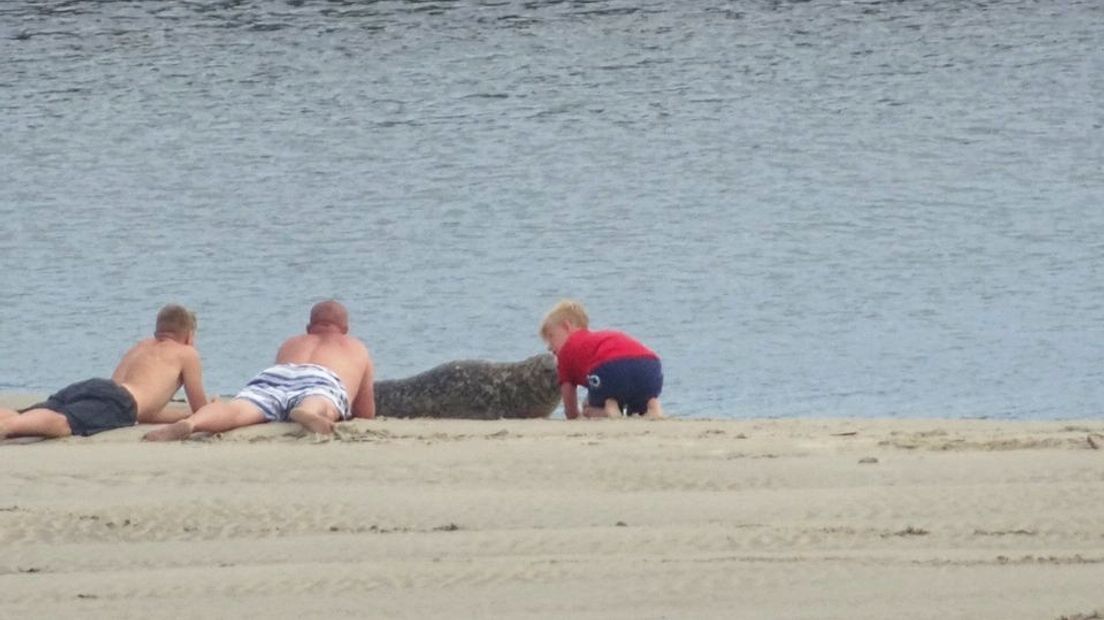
154, 369
346, 356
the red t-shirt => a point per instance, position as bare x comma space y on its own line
585, 350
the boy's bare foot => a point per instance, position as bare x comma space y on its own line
177, 431
312, 421
655, 410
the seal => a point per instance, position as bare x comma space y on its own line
474, 389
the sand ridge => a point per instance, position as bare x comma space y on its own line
542, 518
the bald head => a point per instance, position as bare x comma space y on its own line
328, 316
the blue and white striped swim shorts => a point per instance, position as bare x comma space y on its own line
279, 389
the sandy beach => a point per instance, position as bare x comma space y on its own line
539, 519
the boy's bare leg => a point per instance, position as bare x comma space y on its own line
216, 417
316, 413
655, 410
7, 413
594, 412
613, 410
35, 423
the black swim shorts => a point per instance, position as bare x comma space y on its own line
632, 382
93, 406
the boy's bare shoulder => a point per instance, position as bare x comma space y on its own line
181, 351
141, 348
164, 349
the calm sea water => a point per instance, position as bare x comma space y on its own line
808, 208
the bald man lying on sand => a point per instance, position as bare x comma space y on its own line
316, 377
138, 391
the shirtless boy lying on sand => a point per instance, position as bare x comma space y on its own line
319, 378
146, 378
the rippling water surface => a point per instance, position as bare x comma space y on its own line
808, 208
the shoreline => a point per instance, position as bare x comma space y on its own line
19, 399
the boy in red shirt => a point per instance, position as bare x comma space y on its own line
620, 373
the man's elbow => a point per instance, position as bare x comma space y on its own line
365, 407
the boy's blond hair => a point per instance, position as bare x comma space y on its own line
567, 310
176, 320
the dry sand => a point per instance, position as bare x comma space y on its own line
555, 519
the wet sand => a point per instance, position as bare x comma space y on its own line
548, 518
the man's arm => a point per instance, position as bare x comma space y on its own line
364, 405
192, 376
570, 400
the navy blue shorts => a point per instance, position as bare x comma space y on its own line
632, 382
92, 406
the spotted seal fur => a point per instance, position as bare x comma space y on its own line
474, 389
